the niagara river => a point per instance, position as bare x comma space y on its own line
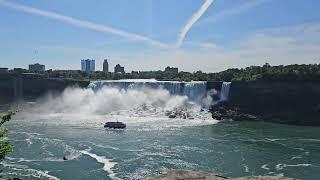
169, 127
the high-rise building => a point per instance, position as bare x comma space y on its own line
93, 65
88, 65
119, 69
105, 66
36, 67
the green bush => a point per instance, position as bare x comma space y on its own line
5, 147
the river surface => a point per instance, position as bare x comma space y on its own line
45, 131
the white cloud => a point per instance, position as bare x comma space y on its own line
284, 45
275, 46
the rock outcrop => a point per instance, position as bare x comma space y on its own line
225, 112
194, 175
183, 174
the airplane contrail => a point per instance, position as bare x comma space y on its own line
107, 29
233, 11
196, 16
80, 23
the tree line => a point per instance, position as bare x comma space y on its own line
295, 72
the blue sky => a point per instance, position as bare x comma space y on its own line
207, 35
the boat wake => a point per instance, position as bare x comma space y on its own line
51, 150
107, 164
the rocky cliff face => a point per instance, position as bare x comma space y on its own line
31, 86
291, 102
36, 87
272, 96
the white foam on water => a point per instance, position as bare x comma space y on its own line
275, 139
282, 166
49, 159
26, 171
246, 168
280, 175
297, 157
107, 164
70, 152
299, 148
265, 166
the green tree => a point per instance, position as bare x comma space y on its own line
5, 147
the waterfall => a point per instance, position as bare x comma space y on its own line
194, 90
224, 93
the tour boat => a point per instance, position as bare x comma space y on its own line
115, 125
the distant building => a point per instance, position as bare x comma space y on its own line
171, 69
105, 66
119, 69
19, 70
4, 70
64, 74
33, 75
88, 65
36, 67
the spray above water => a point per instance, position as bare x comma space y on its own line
110, 99
134, 102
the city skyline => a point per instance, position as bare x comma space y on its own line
203, 35
81, 66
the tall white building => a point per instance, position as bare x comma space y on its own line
88, 65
